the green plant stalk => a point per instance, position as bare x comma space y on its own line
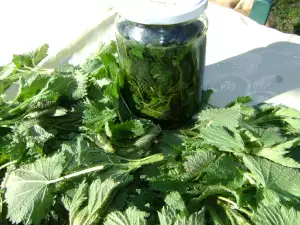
8, 164
264, 119
133, 164
76, 174
235, 205
147, 160
25, 104
10, 122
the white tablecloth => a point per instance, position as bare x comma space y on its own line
243, 58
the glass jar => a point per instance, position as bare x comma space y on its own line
162, 58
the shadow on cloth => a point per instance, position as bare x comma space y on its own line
261, 73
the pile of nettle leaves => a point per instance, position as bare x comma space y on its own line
71, 153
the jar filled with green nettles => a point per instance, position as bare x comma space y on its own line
161, 46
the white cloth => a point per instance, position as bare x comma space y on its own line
243, 58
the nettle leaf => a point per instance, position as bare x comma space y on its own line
59, 111
279, 153
78, 153
240, 100
102, 142
294, 125
175, 202
290, 116
274, 180
78, 87
276, 215
175, 212
29, 193
222, 139
74, 202
167, 216
34, 135
211, 190
92, 66
96, 114
82, 153
103, 82
9, 73
11, 148
31, 86
262, 137
284, 111
250, 138
5, 72
108, 55
146, 141
224, 117
224, 172
40, 53
197, 218
80, 217
67, 68
55, 111
73, 86
127, 130
217, 215
38, 102
57, 85
198, 161
99, 196
235, 217
270, 136
31, 59
131, 216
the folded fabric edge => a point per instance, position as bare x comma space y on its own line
64, 55
289, 98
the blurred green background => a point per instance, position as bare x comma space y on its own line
286, 15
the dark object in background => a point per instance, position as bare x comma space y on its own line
297, 29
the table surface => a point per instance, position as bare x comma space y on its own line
243, 58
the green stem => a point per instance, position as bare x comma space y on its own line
19, 107
196, 127
76, 174
8, 164
189, 132
124, 102
231, 218
263, 119
250, 179
6, 122
139, 163
11, 103
228, 201
37, 70
235, 205
151, 159
245, 212
25, 104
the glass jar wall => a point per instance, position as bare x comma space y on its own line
163, 67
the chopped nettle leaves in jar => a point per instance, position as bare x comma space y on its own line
163, 67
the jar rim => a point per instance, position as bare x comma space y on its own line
160, 12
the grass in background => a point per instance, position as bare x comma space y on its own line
286, 14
